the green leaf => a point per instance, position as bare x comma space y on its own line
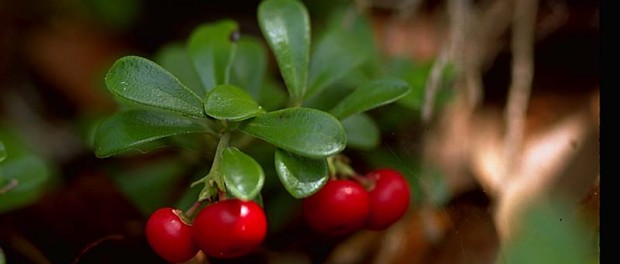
272, 95
128, 130
142, 81
285, 24
28, 176
362, 131
2, 152
303, 131
174, 58
371, 95
250, 65
210, 47
550, 232
336, 55
230, 103
151, 185
243, 176
300, 176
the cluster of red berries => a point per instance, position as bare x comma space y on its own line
233, 228
225, 229
373, 201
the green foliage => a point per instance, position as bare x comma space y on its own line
2, 152
549, 233
362, 132
24, 176
324, 69
216, 84
152, 185
174, 58
250, 66
286, 27
371, 95
145, 82
303, 131
301, 176
211, 48
228, 102
131, 129
244, 177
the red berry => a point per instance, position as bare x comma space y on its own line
340, 207
389, 198
230, 228
169, 236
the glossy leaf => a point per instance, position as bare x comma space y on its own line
243, 176
250, 65
362, 131
285, 24
130, 129
210, 47
174, 58
228, 102
29, 175
142, 81
336, 55
303, 131
2, 152
300, 176
371, 95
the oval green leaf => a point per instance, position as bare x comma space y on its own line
362, 131
28, 176
371, 95
301, 176
304, 131
142, 81
228, 102
210, 46
243, 176
285, 24
336, 55
250, 65
128, 130
174, 58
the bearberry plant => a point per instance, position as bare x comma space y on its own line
225, 97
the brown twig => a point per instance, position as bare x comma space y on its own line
524, 19
459, 12
433, 83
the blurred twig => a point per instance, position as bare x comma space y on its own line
28, 250
96, 243
524, 21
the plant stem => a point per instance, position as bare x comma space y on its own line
215, 172
192, 210
214, 175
